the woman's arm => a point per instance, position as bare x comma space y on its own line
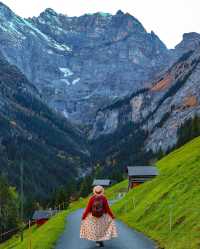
88, 208
108, 210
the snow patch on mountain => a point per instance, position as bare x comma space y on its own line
62, 47
66, 82
64, 112
67, 72
49, 51
74, 82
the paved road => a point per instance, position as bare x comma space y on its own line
128, 239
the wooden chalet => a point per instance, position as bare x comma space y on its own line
140, 174
42, 216
102, 182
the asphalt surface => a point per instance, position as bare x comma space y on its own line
128, 238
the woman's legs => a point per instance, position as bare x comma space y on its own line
99, 243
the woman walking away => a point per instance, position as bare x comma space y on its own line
98, 220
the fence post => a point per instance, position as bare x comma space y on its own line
133, 201
170, 218
30, 235
126, 207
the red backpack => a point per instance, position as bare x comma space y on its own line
98, 207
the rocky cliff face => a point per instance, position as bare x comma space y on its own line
81, 63
190, 41
52, 150
160, 108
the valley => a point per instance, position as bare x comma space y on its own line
94, 86
83, 97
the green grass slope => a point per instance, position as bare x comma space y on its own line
112, 193
168, 208
44, 237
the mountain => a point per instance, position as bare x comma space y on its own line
108, 74
52, 150
159, 109
190, 41
79, 64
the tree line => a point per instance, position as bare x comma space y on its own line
185, 133
189, 130
9, 206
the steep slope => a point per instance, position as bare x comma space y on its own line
173, 197
81, 63
117, 150
53, 152
160, 109
42, 237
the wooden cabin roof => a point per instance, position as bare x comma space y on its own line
102, 182
42, 214
142, 171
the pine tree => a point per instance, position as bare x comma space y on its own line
86, 186
189, 130
9, 206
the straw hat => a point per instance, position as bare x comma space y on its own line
98, 190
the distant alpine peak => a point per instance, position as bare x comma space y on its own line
50, 11
190, 41
104, 14
153, 33
119, 12
5, 10
191, 35
2, 5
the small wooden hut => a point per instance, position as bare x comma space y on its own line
102, 182
140, 174
42, 216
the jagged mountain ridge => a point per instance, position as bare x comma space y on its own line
53, 151
159, 109
81, 63
190, 41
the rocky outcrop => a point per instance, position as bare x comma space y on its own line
190, 42
161, 108
81, 63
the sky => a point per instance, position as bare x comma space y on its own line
169, 19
